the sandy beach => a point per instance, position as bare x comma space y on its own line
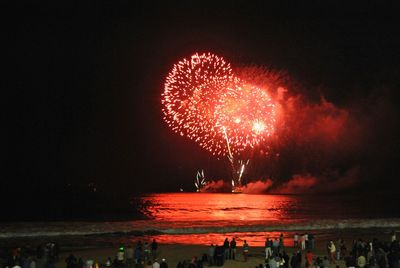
175, 253
100, 248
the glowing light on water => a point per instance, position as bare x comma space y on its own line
208, 208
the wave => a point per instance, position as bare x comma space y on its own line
148, 228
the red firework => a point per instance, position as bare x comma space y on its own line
247, 115
206, 102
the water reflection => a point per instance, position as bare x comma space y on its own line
256, 239
205, 207
205, 218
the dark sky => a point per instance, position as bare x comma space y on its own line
83, 83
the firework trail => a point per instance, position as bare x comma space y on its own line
238, 170
200, 181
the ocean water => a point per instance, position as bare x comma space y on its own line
204, 218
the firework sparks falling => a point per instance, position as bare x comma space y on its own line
206, 102
247, 116
191, 91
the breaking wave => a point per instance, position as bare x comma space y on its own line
144, 228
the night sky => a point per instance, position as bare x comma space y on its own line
83, 85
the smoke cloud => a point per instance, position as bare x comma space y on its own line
319, 146
257, 187
215, 186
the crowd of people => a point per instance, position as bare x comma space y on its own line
42, 256
360, 254
139, 256
373, 254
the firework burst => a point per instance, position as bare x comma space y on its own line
206, 102
246, 114
191, 89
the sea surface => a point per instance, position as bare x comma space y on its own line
204, 218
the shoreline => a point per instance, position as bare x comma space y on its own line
76, 242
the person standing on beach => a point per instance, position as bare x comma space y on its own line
285, 257
138, 254
343, 249
146, 251
295, 262
226, 249
219, 255
232, 252
211, 254
309, 259
129, 256
272, 263
275, 246
71, 261
154, 247
332, 252
306, 241
296, 240
311, 239
280, 243
149, 264
163, 264
338, 250
326, 264
393, 237
121, 257
108, 262
156, 264
268, 246
245, 250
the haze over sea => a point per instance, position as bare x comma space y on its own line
204, 218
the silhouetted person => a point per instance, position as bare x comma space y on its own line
211, 255
219, 255
71, 261
154, 247
226, 249
280, 243
295, 262
285, 257
245, 250
163, 264
309, 259
232, 250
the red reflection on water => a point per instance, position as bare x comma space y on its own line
205, 218
256, 239
205, 207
